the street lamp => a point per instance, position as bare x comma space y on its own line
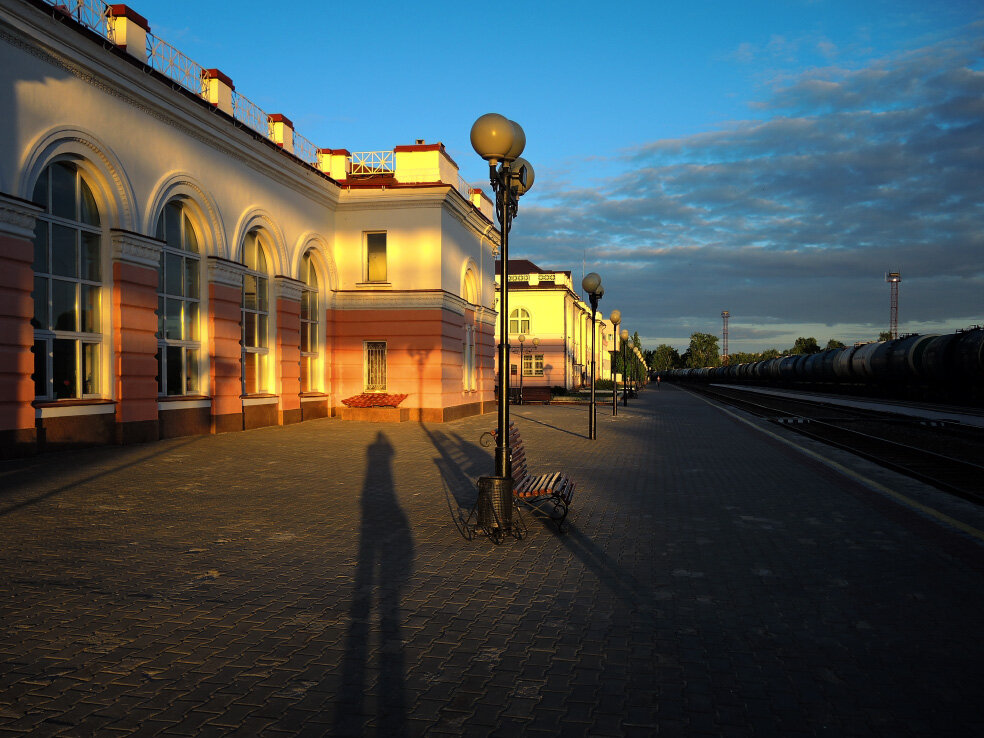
592, 285
616, 318
500, 141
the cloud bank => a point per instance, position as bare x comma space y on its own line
790, 220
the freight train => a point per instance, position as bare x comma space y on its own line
936, 368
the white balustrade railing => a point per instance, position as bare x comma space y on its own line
305, 150
93, 14
373, 162
250, 114
174, 65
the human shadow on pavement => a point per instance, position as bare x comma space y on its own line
385, 561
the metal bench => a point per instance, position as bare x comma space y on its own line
538, 491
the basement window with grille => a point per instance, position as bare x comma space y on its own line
375, 366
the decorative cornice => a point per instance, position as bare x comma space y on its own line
164, 114
394, 300
17, 217
288, 289
223, 271
136, 249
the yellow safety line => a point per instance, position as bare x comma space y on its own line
942, 517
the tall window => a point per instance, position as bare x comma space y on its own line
468, 379
309, 326
178, 304
67, 287
519, 321
375, 366
375, 257
533, 365
256, 315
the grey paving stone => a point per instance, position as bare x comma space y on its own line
311, 580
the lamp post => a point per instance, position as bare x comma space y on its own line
500, 141
592, 285
616, 318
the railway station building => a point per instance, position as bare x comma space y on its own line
544, 305
175, 260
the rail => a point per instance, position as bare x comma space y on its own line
373, 162
92, 14
174, 65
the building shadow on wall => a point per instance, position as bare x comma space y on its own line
385, 561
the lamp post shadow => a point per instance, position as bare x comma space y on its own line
385, 561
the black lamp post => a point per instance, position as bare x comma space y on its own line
500, 141
592, 285
616, 318
631, 345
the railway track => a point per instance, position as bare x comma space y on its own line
944, 454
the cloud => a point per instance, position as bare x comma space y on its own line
795, 217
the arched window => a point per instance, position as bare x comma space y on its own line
67, 287
519, 321
178, 304
469, 291
310, 326
256, 315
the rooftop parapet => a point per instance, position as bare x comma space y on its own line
418, 163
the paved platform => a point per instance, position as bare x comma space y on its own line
311, 580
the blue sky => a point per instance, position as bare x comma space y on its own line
773, 159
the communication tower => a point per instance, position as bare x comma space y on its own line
894, 279
724, 316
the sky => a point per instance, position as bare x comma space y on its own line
770, 158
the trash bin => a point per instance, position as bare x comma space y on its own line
495, 502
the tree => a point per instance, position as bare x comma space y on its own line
834, 344
663, 358
703, 351
885, 336
805, 346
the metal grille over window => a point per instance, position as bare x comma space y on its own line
178, 304
256, 315
67, 287
309, 326
375, 366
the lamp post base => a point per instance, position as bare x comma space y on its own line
495, 513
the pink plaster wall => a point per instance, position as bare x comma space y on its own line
289, 353
423, 355
225, 334
134, 328
16, 334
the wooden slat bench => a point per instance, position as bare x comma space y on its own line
538, 490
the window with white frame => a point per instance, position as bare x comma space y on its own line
533, 365
68, 287
178, 304
256, 315
310, 326
375, 366
376, 257
519, 321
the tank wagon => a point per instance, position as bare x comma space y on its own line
947, 368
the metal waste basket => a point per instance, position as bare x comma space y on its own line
495, 502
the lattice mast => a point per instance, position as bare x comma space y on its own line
894, 279
724, 316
